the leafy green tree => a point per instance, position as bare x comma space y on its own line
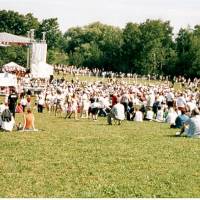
99, 45
15, 23
155, 46
53, 33
13, 53
131, 46
183, 47
194, 53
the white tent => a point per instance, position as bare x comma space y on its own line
12, 66
7, 80
42, 70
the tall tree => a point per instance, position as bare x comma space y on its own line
53, 33
131, 46
183, 48
156, 45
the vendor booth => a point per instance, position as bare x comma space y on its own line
6, 81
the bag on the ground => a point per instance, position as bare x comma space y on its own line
6, 115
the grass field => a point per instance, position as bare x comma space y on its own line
91, 159
69, 158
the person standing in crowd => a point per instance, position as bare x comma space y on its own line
19, 108
28, 102
181, 102
12, 101
125, 101
23, 102
40, 103
170, 99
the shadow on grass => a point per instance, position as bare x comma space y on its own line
176, 136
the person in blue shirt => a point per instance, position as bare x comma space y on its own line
192, 126
180, 120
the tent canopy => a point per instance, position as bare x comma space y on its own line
7, 38
7, 80
12, 66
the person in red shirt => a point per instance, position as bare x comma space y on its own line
114, 99
19, 108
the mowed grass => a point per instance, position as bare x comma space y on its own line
83, 158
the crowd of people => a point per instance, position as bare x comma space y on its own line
115, 99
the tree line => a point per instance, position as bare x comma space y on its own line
146, 48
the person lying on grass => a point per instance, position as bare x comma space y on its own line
192, 126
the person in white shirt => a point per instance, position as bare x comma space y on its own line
23, 102
170, 99
160, 115
117, 113
150, 114
191, 105
151, 99
171, 117
138, 116
40, 103
84, 105
181, 102
94, 109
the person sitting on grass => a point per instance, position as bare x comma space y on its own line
171, 116
29, 121
160, 115
7, 120
150, 114
117, 113
180, 120
192, 126
138, 115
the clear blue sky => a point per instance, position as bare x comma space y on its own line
72, 13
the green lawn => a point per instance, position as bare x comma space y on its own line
92, 159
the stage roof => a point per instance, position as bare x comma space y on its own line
7, 38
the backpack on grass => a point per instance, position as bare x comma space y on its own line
6, 115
